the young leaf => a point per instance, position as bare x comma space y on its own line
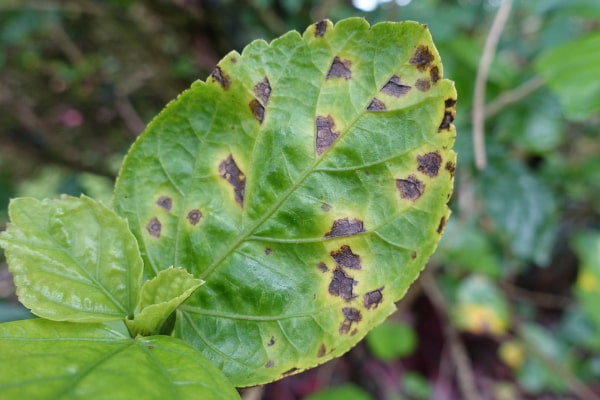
72, 259
306, 182
159, 297
63, 360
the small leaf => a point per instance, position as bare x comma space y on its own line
306, 182
72, 259
571, 71
63, 360
159, 297
391, 340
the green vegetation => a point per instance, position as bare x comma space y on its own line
509, 298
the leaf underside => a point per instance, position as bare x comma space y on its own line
306, 182
62, 360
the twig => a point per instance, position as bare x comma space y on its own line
464, 369
545, 300
513, 96
480, 81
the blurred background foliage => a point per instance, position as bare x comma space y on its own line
509, 305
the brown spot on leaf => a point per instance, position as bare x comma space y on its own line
394, 87
194, 216
449, 103
322, 267
221, 77
271, 341
229, 170
340, 69
429, 163
322, 351
262, 90
422, 58
413, 254
290, 371
447, 120
154, 227
342, 285
257, 110
345, 227
373, 298
434, 74
410, 188
423, 84
325, 207
325, 133
165, 202
376, 105
351, 315
268, 251
269, 364
441, 225
450, 167
320, 28
344, 257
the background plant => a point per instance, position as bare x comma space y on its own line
77, 68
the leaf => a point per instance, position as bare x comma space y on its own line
346, 391
571, 71
72, 259
62, 360
391, 340
522, 207
159, 297
306, 182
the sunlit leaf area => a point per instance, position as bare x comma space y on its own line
506, 308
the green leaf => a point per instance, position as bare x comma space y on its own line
63, 360
159, 297
342, 392
571, 71
72, 259
391, 340
306, 182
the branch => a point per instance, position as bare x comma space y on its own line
464, 369
482, 73
513, 96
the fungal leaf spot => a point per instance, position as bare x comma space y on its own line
165, 202
290, 371
394, 87
342, 285
340, 69
410, 188
154, 227
194, 216
229, 170
219, 76
441, 225
322, 267
351, 315
322, 351
345, 227
320, 28
325, 133
269, 364
268, 251
257, 110
423, 84
429, 163
271, 341
325, 207
450, 167
376, 105
262, 90
422, 58
449, 113
434, 74
344, 257
373, 299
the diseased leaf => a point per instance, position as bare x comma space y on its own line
72, 259
159, 297
306, 182
63, 360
